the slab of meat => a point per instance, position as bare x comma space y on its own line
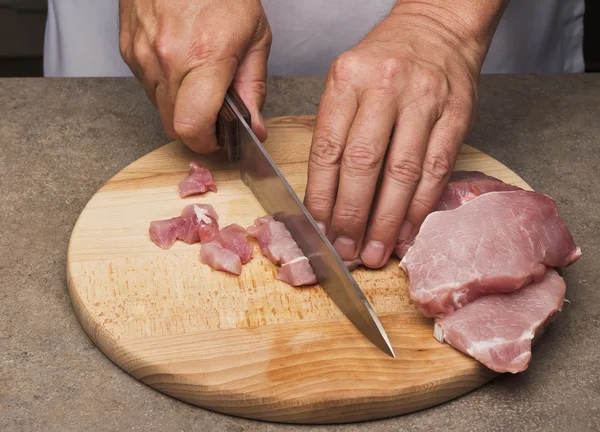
498, 330
220, 258
197, 223
198, 181
462, 187
497, 242
233, 237
277, 244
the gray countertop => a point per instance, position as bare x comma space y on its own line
60, 140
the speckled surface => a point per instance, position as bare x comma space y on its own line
60, 140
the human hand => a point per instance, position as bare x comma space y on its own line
392, 117
187, 54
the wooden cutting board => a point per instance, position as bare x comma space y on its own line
250, 346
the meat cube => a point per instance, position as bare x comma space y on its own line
198, 181
220, 258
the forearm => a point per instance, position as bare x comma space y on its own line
471, 22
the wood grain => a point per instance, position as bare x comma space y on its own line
251, 345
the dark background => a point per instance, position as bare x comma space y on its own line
22, 24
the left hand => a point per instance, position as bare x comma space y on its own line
408, 90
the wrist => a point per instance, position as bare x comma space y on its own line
470, 24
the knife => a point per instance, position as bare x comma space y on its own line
260, 173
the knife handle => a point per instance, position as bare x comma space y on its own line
228, 125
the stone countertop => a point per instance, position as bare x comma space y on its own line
61, 139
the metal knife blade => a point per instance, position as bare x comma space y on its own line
260, 173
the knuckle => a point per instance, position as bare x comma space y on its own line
349, 216
327, 149
343, 69
422, 204
187, 130
391, 67
431, 82
317, 202
405, 171
362, 156
387, 221
141, 50
438, 166
164, 47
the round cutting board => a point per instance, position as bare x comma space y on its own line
250, 346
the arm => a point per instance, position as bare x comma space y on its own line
392, 117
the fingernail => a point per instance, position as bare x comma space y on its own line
405, 230
345, 248
321, 226
373, 253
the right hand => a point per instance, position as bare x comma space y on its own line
188, 53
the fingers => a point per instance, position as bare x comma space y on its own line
334, 118
199, 99
145, 64
165, 101
442, 151
401, 175
361, 164
250, 80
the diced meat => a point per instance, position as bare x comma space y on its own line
462, 187
278, 245
233, 237
496, 243
164, 232
297, 272
203, 223
498, 330
220, 258
197, 223
198, 181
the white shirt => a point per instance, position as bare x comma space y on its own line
534, 36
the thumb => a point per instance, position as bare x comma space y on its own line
250, 81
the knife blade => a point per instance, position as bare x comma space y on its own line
262, 176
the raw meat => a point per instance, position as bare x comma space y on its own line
497, 242
198, 181
233, 237
164, 232
297, 272
277, 244
203, 223
219, 258
197, 223
462, 187
498, 330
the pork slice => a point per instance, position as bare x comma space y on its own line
220, 258
164, 233
198, 181
203, 223
233, 237
496, 243
462, 187
498, 330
